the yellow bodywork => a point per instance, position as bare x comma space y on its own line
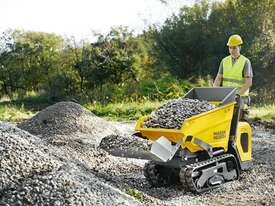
243, 141
212, 127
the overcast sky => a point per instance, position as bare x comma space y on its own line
80, 17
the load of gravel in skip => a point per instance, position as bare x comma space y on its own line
68, 120
172, 114
33, 173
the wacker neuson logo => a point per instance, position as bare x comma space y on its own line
219, 134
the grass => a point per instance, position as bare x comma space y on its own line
135, 193
11, 113
131, 111
123, 111
263, 112
18, 110
21, 109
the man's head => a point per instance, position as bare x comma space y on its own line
234, 45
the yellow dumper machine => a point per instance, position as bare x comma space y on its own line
210, 149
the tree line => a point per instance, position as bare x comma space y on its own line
163, 62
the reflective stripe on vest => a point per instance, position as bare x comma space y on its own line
233, 75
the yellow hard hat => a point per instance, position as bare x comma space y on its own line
234, 40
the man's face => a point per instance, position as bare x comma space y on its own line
234, 50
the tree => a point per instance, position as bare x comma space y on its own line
194, 42
180, 43
110, 60
29, 60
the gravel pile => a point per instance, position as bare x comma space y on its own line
123, 142
66, 121
32, 173
172, 114
128, 146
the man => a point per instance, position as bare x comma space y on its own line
235, 70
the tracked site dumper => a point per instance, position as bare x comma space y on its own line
210, 148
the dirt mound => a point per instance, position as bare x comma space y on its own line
33, 173
66, 121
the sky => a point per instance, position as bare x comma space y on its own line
80, 18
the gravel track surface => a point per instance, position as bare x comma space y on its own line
43, 168
255, 186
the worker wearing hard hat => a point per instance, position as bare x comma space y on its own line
235, 70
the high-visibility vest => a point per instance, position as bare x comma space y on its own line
233, 75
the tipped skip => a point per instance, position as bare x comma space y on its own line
135, 147
163, 148
128, 153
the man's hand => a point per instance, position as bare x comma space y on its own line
218, 80
247, 85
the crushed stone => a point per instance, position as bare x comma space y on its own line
172, 114
66, 121
34, 173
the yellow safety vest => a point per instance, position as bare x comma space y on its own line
233, 75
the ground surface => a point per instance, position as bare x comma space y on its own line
60, 163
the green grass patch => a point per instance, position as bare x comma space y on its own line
123, 111
12, 113
263, 112
21, 109
135, 194
18, 110
32, 103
